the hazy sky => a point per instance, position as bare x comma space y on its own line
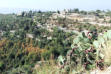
57, 4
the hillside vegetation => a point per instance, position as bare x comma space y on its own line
37, 42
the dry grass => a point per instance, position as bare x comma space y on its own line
47, 68
53, 68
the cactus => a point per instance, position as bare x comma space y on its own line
86, 49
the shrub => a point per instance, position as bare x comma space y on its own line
1, 66
85, 52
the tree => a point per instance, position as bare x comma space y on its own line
58, 11
98, 11
83, 12
76, 10
23, 14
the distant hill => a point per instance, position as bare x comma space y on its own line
13, 10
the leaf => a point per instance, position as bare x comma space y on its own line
105, 36
80, 48
86, 40
76, 40
61, 59
101, 55
96, 44
101, 40
72, 46
81, 35
109, 34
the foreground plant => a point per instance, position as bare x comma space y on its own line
86, 51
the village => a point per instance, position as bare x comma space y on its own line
76, 17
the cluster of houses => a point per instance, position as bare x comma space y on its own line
88, 18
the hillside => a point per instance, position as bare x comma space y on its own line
56, 42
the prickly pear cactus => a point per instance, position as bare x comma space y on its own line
86, 51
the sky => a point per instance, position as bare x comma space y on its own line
56, 4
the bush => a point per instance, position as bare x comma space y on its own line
1, 66
85, 52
